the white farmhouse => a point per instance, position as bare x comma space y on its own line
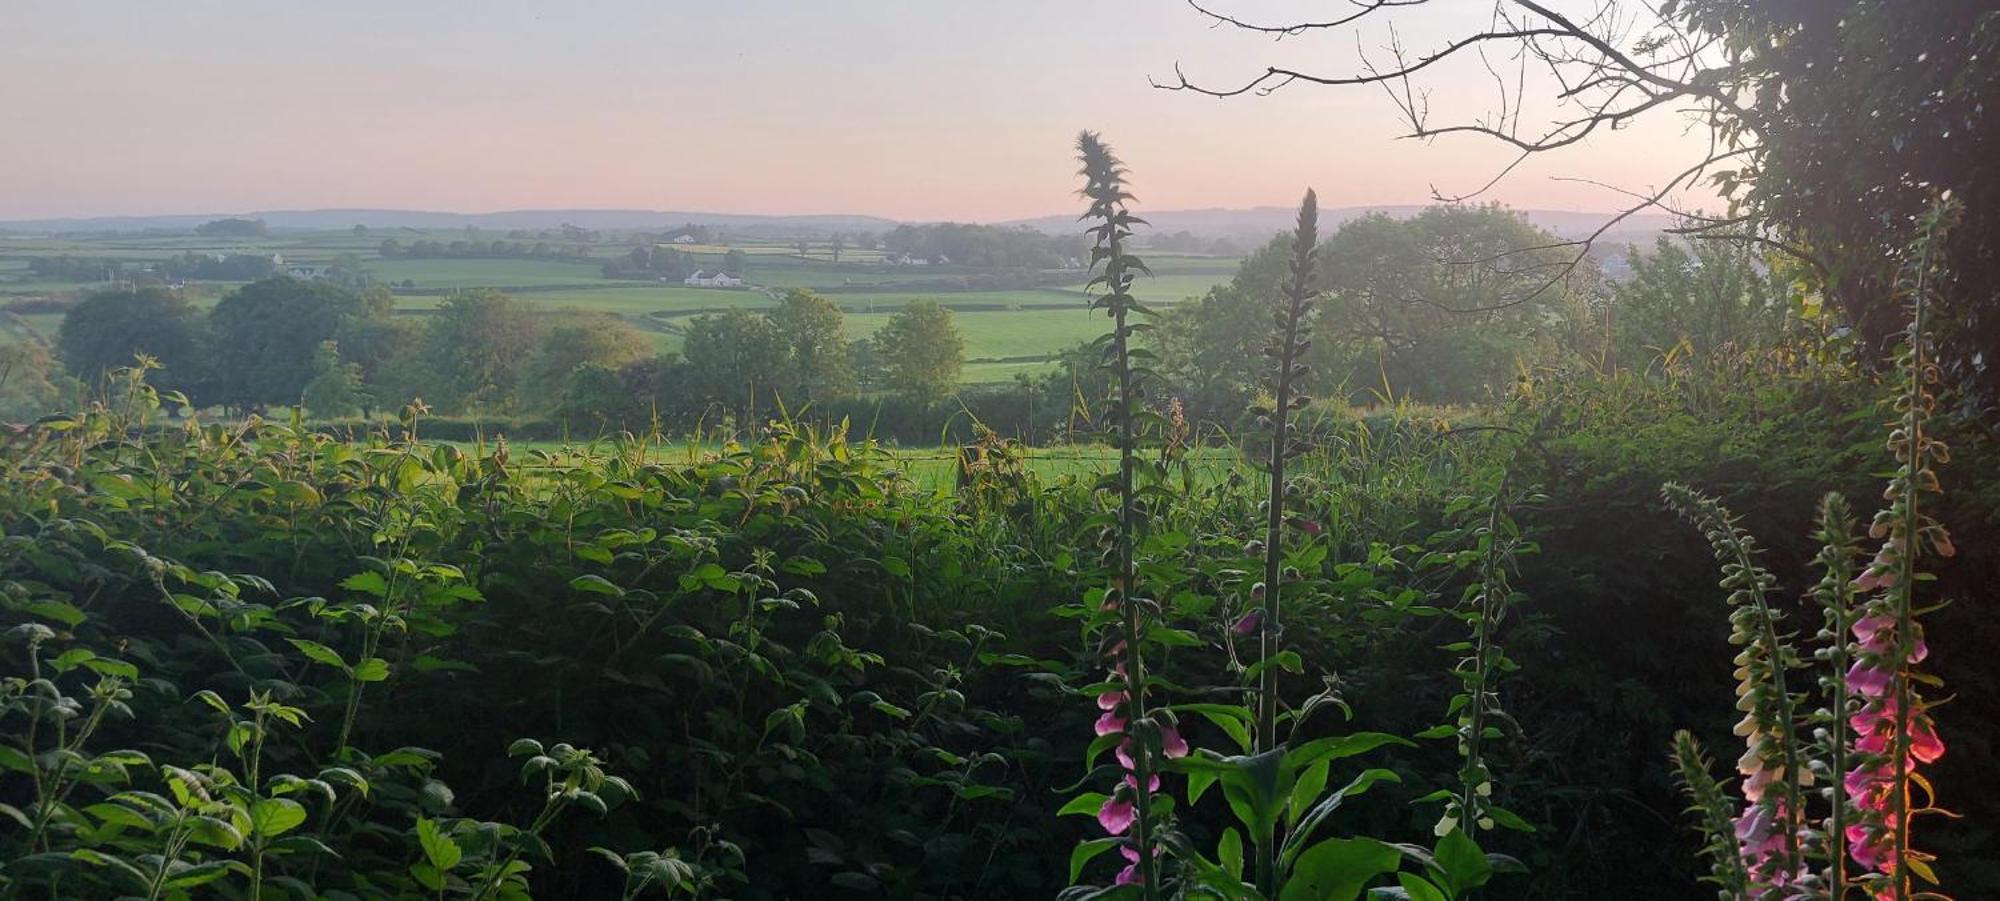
718, 280
684, 238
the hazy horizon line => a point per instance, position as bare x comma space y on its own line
843, 214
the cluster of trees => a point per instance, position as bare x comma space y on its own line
233, 267
569, 233
748, 365
430, 249
653, 261
281, 341
209, 266
67, 268
1453, 304
339, 351
233, 228
985, 246
1185, 241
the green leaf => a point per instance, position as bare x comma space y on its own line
1508, 819
439, 849
61, 611
318, 653
105, 666
427, 876
1338, 869
71, 659
1325, 808
1419, 889
595, 584
200, 874
1231, 719
1084, 852
12, 758
1230, 851
1463, 864
1341, 746
1086, 804
272, 817
374, 669
370, 582
215, 833
1307, 790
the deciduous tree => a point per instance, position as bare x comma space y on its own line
921, 350
106, 331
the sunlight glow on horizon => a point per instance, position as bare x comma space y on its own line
884, 108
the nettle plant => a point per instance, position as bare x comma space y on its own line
116, 648
1830, 792
1276, 777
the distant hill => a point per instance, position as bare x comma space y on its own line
1255, 224
1251, 226
320, 220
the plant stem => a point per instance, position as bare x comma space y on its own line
1906, 576
1298, 294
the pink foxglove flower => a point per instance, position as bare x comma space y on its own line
1116, 815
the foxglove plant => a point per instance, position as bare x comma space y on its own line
1893, 727
1876, 728
1692, 768
1127, 813
1768, 829
1830, 748
1476, 708
1266, 620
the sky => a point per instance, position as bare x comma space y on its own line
908, 109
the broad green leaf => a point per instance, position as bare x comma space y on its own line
1464, 865
1338, 869
272, 817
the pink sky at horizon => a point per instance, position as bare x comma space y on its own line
894, 108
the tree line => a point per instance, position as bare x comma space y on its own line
984, 246
428, 249
1443, 307
338, 351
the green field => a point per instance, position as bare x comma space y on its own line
1006, 334
496, 273
1005, 330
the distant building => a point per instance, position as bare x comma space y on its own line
306, 273
684, 238
906, 259
717, 280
